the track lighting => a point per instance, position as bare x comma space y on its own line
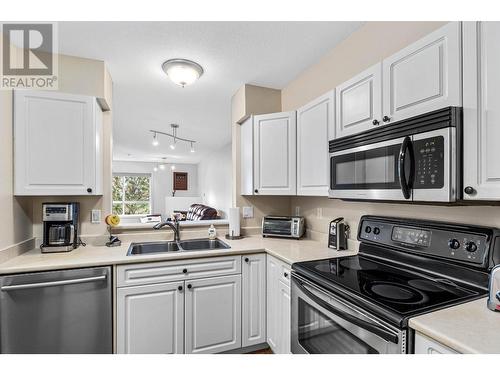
192, 147
155, 140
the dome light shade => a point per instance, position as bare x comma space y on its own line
182, 72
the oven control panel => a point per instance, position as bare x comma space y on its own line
450, 244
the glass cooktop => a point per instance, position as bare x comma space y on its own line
399, 289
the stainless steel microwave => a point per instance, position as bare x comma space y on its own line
417, 159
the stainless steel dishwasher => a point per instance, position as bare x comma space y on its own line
67, 311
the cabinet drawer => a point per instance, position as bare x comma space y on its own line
426, 345
159, 272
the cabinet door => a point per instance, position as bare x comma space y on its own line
246, 154
359, 102
253, 299
150, 319
284, 316
315, 127
424, 76
213, 314
272, 307
275, 154
481, 76
57, 144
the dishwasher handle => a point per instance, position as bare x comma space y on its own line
8, 288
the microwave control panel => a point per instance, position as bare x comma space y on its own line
429, 163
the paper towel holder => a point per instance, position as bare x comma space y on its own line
231, 237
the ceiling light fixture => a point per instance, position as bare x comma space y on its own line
173, 135
155, 169
162, 166
192, 147
155, 140
172, 167
182, 72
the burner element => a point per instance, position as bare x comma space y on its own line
395, 292
426, 285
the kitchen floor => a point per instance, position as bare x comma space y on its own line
263, 351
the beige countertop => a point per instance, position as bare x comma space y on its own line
467, 328
288, 250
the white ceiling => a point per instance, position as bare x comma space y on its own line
268, 54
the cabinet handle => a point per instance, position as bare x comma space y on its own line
375, 122
256, 191
285, 274
179, 287
469, 190
189, 286
247, 260
185, 270
89, 190
386, 119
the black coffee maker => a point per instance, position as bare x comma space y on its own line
60, 227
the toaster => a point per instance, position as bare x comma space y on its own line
283, 226
494, 297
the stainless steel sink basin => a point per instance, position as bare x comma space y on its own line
141, 248
203, 244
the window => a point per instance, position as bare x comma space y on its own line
132, 194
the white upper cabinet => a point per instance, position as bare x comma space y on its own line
424, 76
481, 80
275, 154
57, 144
315, 126
246, 153
359, 102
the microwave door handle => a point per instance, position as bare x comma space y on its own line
371, 327
406, 149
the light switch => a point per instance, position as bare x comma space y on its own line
95, 217
247, 212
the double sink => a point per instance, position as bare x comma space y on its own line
142, 248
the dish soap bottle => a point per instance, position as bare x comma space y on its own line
212, 232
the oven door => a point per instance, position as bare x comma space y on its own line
379, 171
324, 324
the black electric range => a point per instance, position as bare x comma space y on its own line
404, 268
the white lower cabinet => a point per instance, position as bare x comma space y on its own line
426, 345
253, 275
191, 314
278, 305
213, 314
150, 319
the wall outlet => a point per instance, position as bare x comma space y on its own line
95, 217
319, 212
297, 210
247, 212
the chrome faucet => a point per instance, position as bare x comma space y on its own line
175, 228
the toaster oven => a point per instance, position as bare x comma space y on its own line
283, 226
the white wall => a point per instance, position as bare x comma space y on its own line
162, 180
215, 179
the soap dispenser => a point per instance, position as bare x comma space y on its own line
212, 232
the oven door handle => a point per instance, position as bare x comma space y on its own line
406, 149
371, 327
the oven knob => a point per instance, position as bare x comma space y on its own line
454, 244
376, 230
368, 229
470, 247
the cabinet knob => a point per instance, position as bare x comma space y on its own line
189, 286
256, 191
185, 270
469, 190
375, 122
179, 287
285, 274
247, 260
386, 119
89, 190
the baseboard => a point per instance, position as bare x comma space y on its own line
248, 349
16, 249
